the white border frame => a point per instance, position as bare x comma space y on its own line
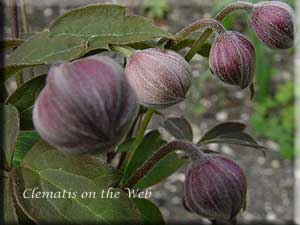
297, 116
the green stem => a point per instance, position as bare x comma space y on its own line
15, 34
26, 28
211, 23
219, 17
198, 44
4, 93
19, 78
140, 135
24, 16
125, 50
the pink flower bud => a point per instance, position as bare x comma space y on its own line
232, 59
273, 23
215, 188
86, 106
160, 78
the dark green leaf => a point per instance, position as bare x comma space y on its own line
104, 24
43, 156
9, 44
252, 90
228, 127
164, 168
150, 212
237, 138
26, 119
25, 142
41, 49
126, 145
178, 127
24, 97
10, 215
204, 51
10, 70
49, 170
143, 45
10, 133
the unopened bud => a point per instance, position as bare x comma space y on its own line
160, 78
273, 23
215, 188
86, 106
232, 59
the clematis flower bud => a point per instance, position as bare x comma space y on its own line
232, 59
86, 106
160, 78
215, 188
273, 23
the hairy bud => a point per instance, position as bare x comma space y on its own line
232, 59
273, 23
160, 78
86, 106
215, 188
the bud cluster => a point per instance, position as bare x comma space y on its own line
232, 57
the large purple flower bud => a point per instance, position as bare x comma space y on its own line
86, 106
215, 188
232, 59
273, 23
160, 78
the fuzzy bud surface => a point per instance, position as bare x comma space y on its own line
232, 59
86, 106
215, 188
160, 78
273, 23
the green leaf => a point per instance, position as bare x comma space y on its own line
204, 50
230, 133
236, 138
126, 145
43, 156
222, 128
178, 127
49, 170
143, 45
150, 212
11, 130
26, 140
164, 168
10, 215
252, 90
104, 24
24, 97
9, 44
41, 49
10, 70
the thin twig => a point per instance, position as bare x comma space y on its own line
140, 135
14, 19
188, 147
24, 16
15, 34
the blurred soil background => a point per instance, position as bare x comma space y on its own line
269, 115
